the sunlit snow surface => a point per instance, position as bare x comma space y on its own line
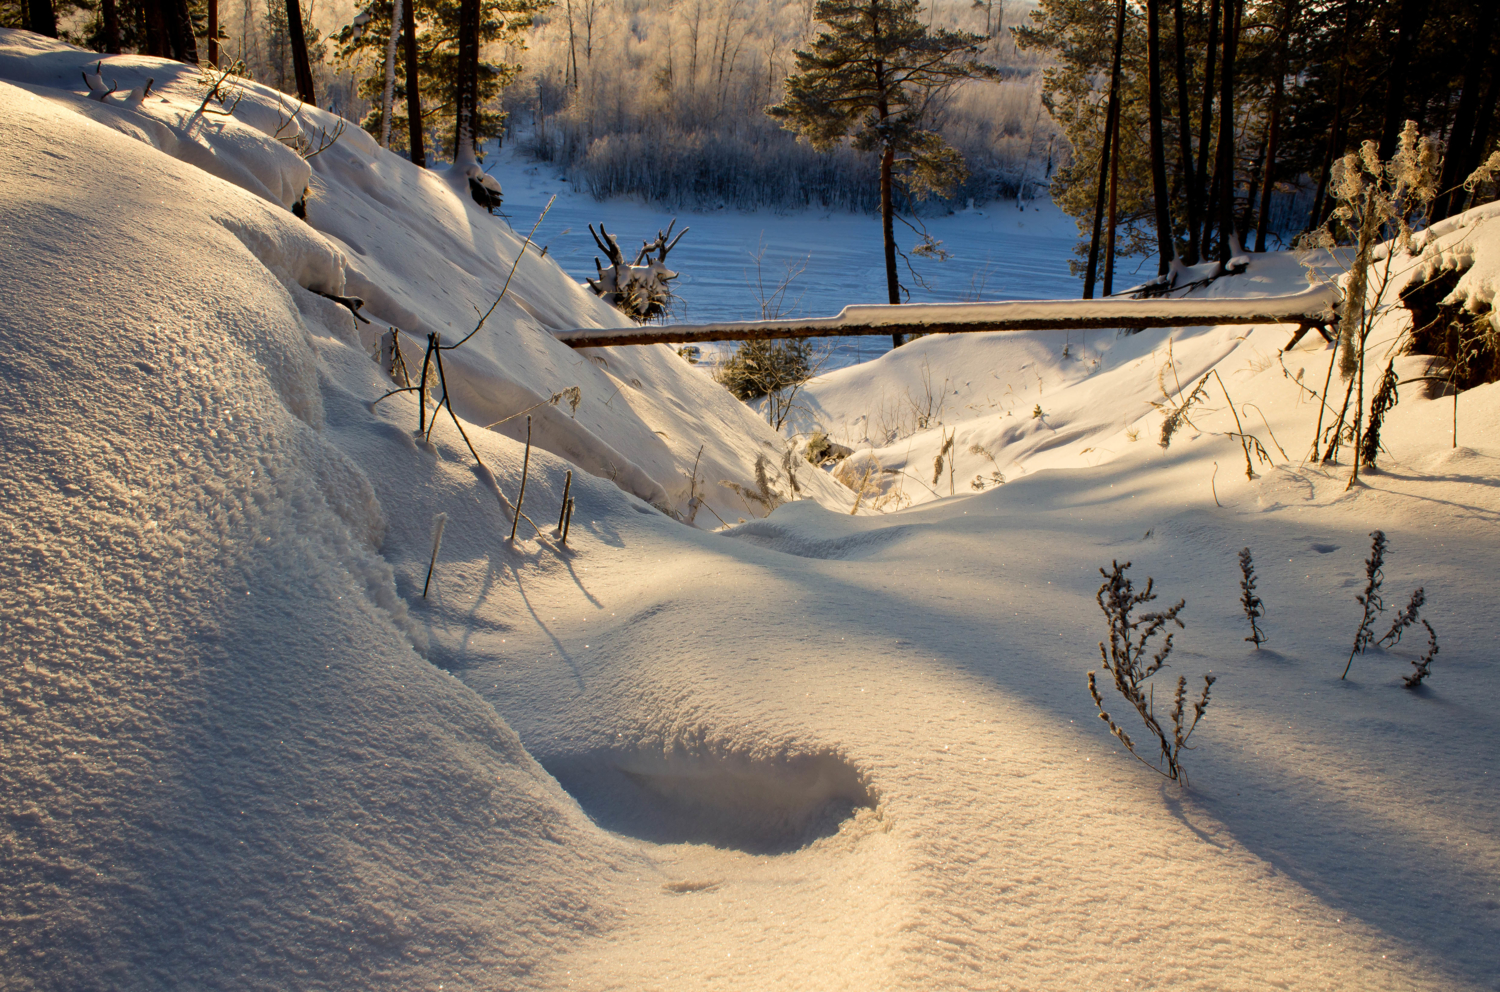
822, 751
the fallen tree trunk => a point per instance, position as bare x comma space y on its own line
1311, 308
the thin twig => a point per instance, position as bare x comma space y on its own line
521, 495
508, 278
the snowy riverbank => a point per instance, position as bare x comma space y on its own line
821, 750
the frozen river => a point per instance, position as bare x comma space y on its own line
998, 252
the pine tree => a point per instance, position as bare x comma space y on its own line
867, 77
430, 37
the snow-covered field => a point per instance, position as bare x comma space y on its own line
816, 751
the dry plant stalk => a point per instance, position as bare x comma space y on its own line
1369, 599
1249, 600
1124, 657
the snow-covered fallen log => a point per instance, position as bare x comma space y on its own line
1309, 308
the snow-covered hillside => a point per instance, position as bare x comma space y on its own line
817, 751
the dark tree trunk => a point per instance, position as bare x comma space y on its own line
111, 13
888, 235
213, 32
156, 28
184, 46
1114, 215
1288, 15
1185, 137
1409, 28
416, 145
1463, 121
1158, 142
1225, 166
1111, 126
1205, 129
41, 18
1335, 132
1482, 131
466, 92
300, 64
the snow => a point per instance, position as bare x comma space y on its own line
818, 751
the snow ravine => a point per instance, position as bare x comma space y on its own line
815, 751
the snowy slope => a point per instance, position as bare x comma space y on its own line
818, 751
425, 259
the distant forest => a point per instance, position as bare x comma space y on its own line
1253, 102
666, 100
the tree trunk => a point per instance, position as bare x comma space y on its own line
1114, 216
466, 94
1158, 143
41, 18
300, 64
1481, 133
1335, 136
1463, 120
388, 93
416, 145
1205, 130
213, 33
1225, 166
1273, 130
111, 27
572, 47
180, 30
1111, 125
1185, 136
1409, 28
156, 28
888, 233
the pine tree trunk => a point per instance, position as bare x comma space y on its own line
1482, 130
111, 13
41, 18
1463, 120
388, 93
1205, 131
1409, 28
1335, 133
1111, 125
888, 233
416, 144
1273, 130
300, 63
1158, 143
1225, 167
156, 28
213, 32
466, 94
1114, 216
1185, 136
181, 44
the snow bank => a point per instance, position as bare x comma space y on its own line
425, 259
818, 751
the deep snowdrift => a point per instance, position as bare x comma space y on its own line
821, 751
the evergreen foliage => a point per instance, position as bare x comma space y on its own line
867, 78
501, 22
1310, 79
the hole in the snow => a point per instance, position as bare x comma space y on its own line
764, 805
1325, 549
